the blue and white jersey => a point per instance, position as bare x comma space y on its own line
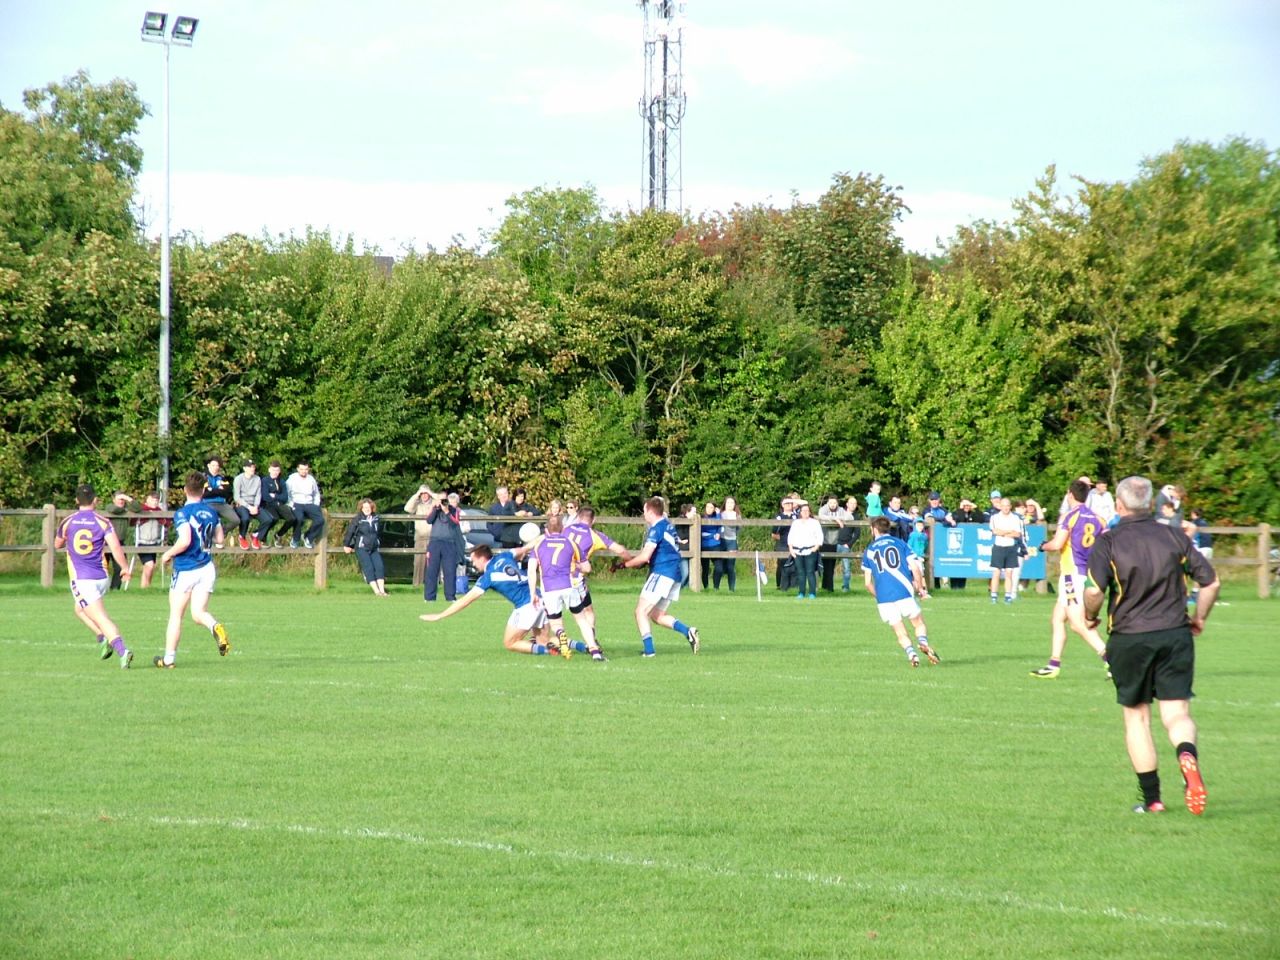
886, 558
665, 561
504, 574
201, 519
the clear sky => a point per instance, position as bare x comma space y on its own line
411, 121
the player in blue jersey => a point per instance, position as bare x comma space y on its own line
197, 529
663, 586
887, 575
1078, 530
526, 630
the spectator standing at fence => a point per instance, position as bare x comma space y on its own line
1138, 567
118, 512
727, 567
901, 518
1171, 496
505, 534
247, 491
917, 558
304, 496
830, 516
524, 510
1202, 539
419, 504
804, 539
88, 536
1101, 502
217, 490
786, 570
197, 528
445, 520
711, 539
275, 505
688, 514
363, 538
149, 532
846, 538
1006, 531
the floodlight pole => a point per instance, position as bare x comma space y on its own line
154, 30
163, 431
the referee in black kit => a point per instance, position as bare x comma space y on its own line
1151, 650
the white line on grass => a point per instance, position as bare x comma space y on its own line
805, 877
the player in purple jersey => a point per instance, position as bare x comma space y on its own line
551, 577
1078, 529
589, 542
85, 534
194, 575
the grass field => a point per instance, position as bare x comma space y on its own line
351, 782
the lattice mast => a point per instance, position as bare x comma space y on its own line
662, 107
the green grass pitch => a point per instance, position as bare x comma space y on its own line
351, 782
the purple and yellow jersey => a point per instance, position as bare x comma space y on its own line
86, 535
588, 542
557, 555
1083, 526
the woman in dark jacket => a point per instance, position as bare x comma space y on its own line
362, 540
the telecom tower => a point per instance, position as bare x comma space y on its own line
662, 107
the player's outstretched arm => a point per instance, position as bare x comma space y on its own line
641, 558
461, 603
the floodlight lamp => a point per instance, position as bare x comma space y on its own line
153, 24
184, 29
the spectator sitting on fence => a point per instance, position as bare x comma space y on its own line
274, 507
149, 532
304, 495
363, 539
217, 487
247, 491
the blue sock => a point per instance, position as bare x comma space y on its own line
680, 628
579, 646
647, 640
539, 650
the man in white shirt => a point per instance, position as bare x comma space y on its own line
1101, 502
304, 496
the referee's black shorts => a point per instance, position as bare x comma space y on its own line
1159, 665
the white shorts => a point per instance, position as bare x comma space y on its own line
915, 563
895, 611
87, 591
527, 617
1206, 552
555, 602
1071, 589
201, 578
660, 591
